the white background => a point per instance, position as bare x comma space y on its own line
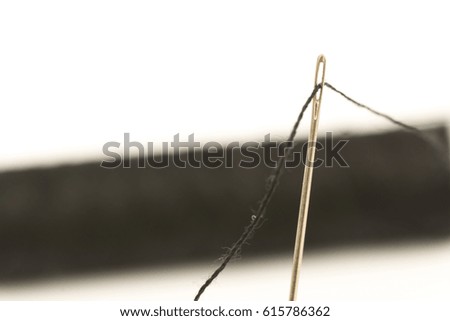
77, 74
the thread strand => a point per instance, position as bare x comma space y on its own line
439, 146
399, 123
257, 221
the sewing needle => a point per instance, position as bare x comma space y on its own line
307, 179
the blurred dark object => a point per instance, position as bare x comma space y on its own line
85, 218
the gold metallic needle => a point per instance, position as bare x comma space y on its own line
307, 179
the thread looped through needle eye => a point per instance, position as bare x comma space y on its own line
320, 70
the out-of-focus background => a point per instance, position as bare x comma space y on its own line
76, 75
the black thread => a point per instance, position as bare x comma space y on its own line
399, 123
257, 219
273, 180
439, 146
